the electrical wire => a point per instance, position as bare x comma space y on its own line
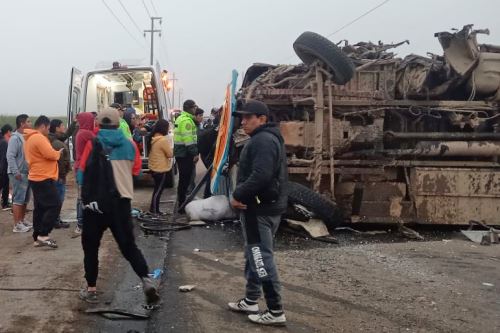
130, 17
351, 22
154, 7
146, 8
123, 26
358, 18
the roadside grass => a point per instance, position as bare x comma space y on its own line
11, 119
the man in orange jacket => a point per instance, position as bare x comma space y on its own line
43, 172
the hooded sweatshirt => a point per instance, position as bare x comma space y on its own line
263, 172
161, 154
85, 134
123, 155
16, 163
40, 156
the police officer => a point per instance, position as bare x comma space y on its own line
185, 148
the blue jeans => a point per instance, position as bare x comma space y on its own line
61, 192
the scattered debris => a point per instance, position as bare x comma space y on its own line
409, 233
196, 250
156, 273
197, 223
315, 228
137, 287
483, 237
187, 288
487, 284
117, 314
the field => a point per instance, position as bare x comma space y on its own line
11, 120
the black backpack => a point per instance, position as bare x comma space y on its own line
98, 180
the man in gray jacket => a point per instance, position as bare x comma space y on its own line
17, 168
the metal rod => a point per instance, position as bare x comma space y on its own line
453, 136
318, 129
330, 120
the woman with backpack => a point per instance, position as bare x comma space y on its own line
160, 162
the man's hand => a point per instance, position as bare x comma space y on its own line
238, 205
18, 176
196, 159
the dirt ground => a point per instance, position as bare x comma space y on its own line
366, 283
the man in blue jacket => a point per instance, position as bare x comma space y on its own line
261, 196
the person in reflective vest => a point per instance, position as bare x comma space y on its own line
185, 148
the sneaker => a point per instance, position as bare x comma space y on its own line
27, 223
89, 296
77, 232
20, 227
7, 207
61, 225
268, 318
150, 291
244, 305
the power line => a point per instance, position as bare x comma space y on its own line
120, 22
154, 7
130, 16
146, 8
358, 18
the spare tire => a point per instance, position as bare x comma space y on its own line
311, 46
322, 208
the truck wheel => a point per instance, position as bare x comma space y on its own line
310, 47
322, 208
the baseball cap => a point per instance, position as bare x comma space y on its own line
109, 117
116, 106
252, 106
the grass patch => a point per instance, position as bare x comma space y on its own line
11, 120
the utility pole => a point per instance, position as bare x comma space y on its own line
180, 98
152, 31
173, 79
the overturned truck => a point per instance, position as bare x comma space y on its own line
413, 140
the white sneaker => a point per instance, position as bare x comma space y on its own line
27, 223
20, 227
243, 306
268, 318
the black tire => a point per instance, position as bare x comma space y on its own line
310, 47
322, 208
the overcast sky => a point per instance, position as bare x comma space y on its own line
202, 40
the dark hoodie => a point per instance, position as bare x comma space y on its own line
85, 133
263, 173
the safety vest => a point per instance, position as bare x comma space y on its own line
185, 137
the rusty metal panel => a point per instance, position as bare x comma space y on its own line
455, 196
297, 133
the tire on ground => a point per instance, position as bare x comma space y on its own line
322, 208
310, 46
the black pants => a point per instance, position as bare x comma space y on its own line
159, 178
4, 186
47, 207
185, 166
117, 218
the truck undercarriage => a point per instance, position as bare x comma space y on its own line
401, 140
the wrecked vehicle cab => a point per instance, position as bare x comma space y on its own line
413, 140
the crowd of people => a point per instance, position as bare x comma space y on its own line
107, 156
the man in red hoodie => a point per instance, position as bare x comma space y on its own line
85, 134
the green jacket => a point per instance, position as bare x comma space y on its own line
125, 128
185, 138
